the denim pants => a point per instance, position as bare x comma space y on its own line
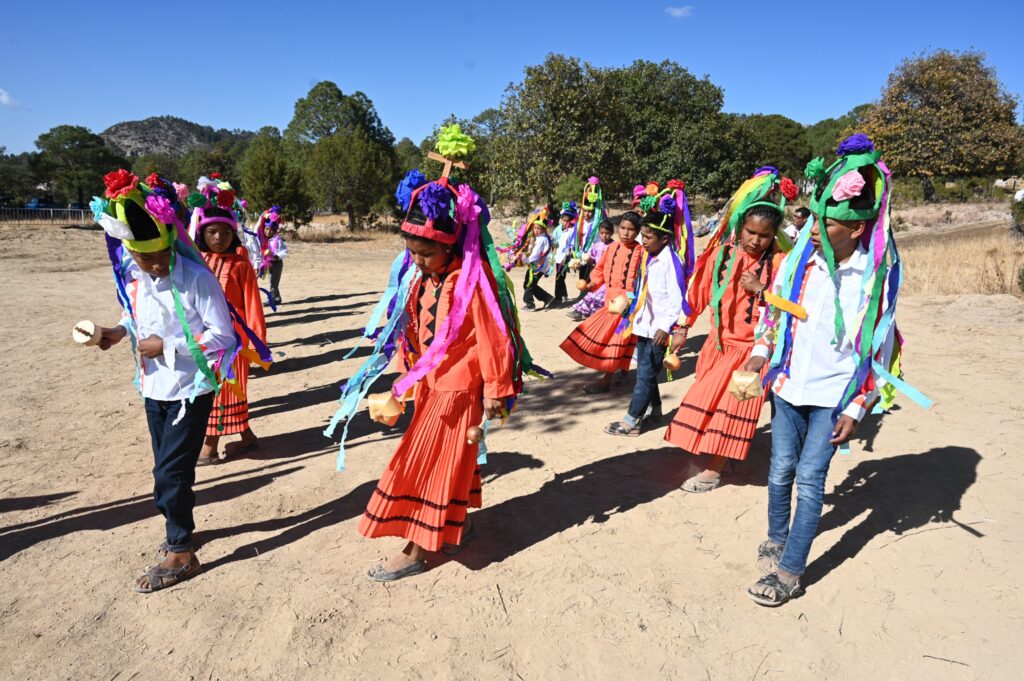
175, 451
649, 358
801, 452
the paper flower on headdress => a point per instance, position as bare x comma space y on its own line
814, 169
413, 179
593, 180
214, 176
651, 189
569, 208
855, 144
161, 208
849, 185
196, 200
453, 143
182, 191
789, 189
435, 200
667, 205
638, 191
676, 184
226, 198
648, 202
120, 183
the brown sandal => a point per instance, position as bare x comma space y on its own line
161, 577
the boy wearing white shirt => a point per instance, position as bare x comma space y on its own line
160, 285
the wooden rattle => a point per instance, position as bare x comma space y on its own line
619, 304
384, 408
672, 362
86, 333
582, 285
745, 385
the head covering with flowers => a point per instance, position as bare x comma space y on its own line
454, 215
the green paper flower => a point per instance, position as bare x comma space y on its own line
453, 143
647, 203
815, 169
196, 200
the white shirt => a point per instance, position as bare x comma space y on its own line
664, 300
791, 231
539, 256
171, 376
819, 369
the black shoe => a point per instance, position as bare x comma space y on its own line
529, 306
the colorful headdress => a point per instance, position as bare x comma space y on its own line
514, 251
669, 213
213, 192
857, 186
766, 187
569, 208
456, 216
148, 218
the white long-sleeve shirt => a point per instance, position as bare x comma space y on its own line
540, 256
170, 377
819, 369
664, 300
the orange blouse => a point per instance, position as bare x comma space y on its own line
617, 269
740, 310
478, 359
238, 279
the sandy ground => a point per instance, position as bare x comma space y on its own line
589, 562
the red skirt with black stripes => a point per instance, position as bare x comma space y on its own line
596, 344
710, 420
433, 478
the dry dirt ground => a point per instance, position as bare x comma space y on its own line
589, 562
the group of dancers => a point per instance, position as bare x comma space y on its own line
805, 317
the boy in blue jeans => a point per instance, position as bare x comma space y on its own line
831, 348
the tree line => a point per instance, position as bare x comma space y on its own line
940, 115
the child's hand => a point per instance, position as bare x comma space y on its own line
679, 338
755, 364
751, 283
660, 338
111, 337
845, 427
151, 347
494, 409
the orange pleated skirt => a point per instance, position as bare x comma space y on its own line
596, 345
433, 479
710, 420
231, 410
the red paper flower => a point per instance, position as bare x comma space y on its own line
214, 176
226, 198
119, 183
152, 180
789, 189
676, 184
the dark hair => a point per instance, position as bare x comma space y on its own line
802, 211
228, 219
631, 216
772, 215
606, 224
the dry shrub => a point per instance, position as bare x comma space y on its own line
980, 264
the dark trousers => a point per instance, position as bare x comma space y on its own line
531, 290
175, 451
649, 358
561, 295
276, 266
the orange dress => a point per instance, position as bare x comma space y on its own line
238, 279
433, 478
710, 420
595, 343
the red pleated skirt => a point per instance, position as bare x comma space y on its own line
595, 344
710, 420
433, 478
230, 410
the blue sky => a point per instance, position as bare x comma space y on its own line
243, 66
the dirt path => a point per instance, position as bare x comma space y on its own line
589, 562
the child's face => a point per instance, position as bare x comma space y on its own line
430, 257
799, 221
565, 219
588, 215
538, 229
756, 235
842, 235
219, 236
653, 241
605, 234
156, 264
627, 232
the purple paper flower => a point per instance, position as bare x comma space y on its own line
435, 200
667, 205
855, 144
412, 180
160, 208
764, 170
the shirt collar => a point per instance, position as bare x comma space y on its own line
857, 262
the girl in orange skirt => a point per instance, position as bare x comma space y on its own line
595, 343
453, 324
730, 276
216, 235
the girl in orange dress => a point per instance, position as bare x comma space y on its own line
453, 324
216, 231
730, 276
596, 343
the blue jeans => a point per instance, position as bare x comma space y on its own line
800, 451
649, 358
175, 452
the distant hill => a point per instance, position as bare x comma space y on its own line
166, 135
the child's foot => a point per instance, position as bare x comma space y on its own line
705, 481
208, 456
575, 316
529, 306
409, 562
622, 428
775, 588
248, 443
174, 568
769, 554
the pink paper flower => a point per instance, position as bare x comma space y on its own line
638, 191
182, 191
160, 208
593, 179
849, 185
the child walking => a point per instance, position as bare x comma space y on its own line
275, 250
178, 321
538, 264
452, 321
594, 300
731, 274
597, 343
833, 349
217, 237
562, 241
